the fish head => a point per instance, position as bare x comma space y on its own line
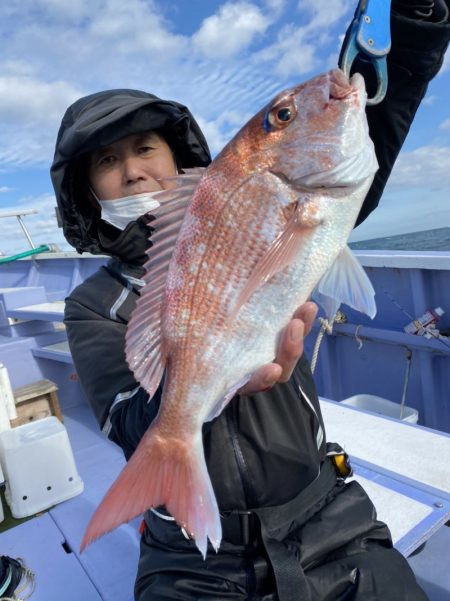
315, 135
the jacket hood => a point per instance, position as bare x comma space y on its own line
101, 119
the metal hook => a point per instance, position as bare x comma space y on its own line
369, 36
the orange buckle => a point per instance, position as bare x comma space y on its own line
342, 465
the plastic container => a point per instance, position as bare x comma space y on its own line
5, 424
7, 393
38, 466
429, 318
2, 480
381, 406
7, 403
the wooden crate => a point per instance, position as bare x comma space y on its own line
36, 401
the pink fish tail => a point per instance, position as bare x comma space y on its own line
162, 471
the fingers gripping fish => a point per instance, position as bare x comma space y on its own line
236, 249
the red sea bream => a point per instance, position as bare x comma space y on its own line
237, 248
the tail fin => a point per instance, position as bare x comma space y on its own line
168, 472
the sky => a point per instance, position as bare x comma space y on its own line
225, 60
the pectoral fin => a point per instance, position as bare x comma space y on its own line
282, 252
345, 282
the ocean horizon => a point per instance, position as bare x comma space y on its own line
436, 239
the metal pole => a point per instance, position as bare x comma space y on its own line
25, 231
405, 383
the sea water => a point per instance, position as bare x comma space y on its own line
437, 239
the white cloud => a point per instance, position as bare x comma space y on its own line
135, 26
325, 13
429, 100
230, 31
214, 134
25, 150
4, 189
110, 43
238, 59
426, 167
291, 55
276, 6
57, 52
17, 68
445, 124
446, 64
30, 112
220, 131
54, 10
31, 100
416, 197
402, 216
53, 58
69, 12
211, 91
298, 49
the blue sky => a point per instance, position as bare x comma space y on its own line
223, 59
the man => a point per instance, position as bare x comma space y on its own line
287, 532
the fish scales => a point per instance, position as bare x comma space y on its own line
223, 238
209, 291
267, 224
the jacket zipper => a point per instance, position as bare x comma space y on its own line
244, 474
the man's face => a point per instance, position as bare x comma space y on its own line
131, 166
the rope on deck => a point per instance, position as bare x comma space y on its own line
326, 326
28, 581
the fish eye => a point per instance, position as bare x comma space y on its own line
280, 116
284, 114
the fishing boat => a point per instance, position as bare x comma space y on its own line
384, 392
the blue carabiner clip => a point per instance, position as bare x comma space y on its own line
370, 36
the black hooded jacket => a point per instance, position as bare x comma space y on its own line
265, 448
98, 120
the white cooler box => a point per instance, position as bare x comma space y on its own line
382, 406
38, 466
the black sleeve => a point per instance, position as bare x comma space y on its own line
417, 52
97, 346
130, 420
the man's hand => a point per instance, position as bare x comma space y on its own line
290, 350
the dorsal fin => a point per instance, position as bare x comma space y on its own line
143, 338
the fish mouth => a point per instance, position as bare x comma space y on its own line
348, 96
354, 169
343, 88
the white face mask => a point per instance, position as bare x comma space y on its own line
120, 211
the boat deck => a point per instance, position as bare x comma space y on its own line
395, 463
403, 467
50, 543
106, 570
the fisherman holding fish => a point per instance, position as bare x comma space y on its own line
191, 352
